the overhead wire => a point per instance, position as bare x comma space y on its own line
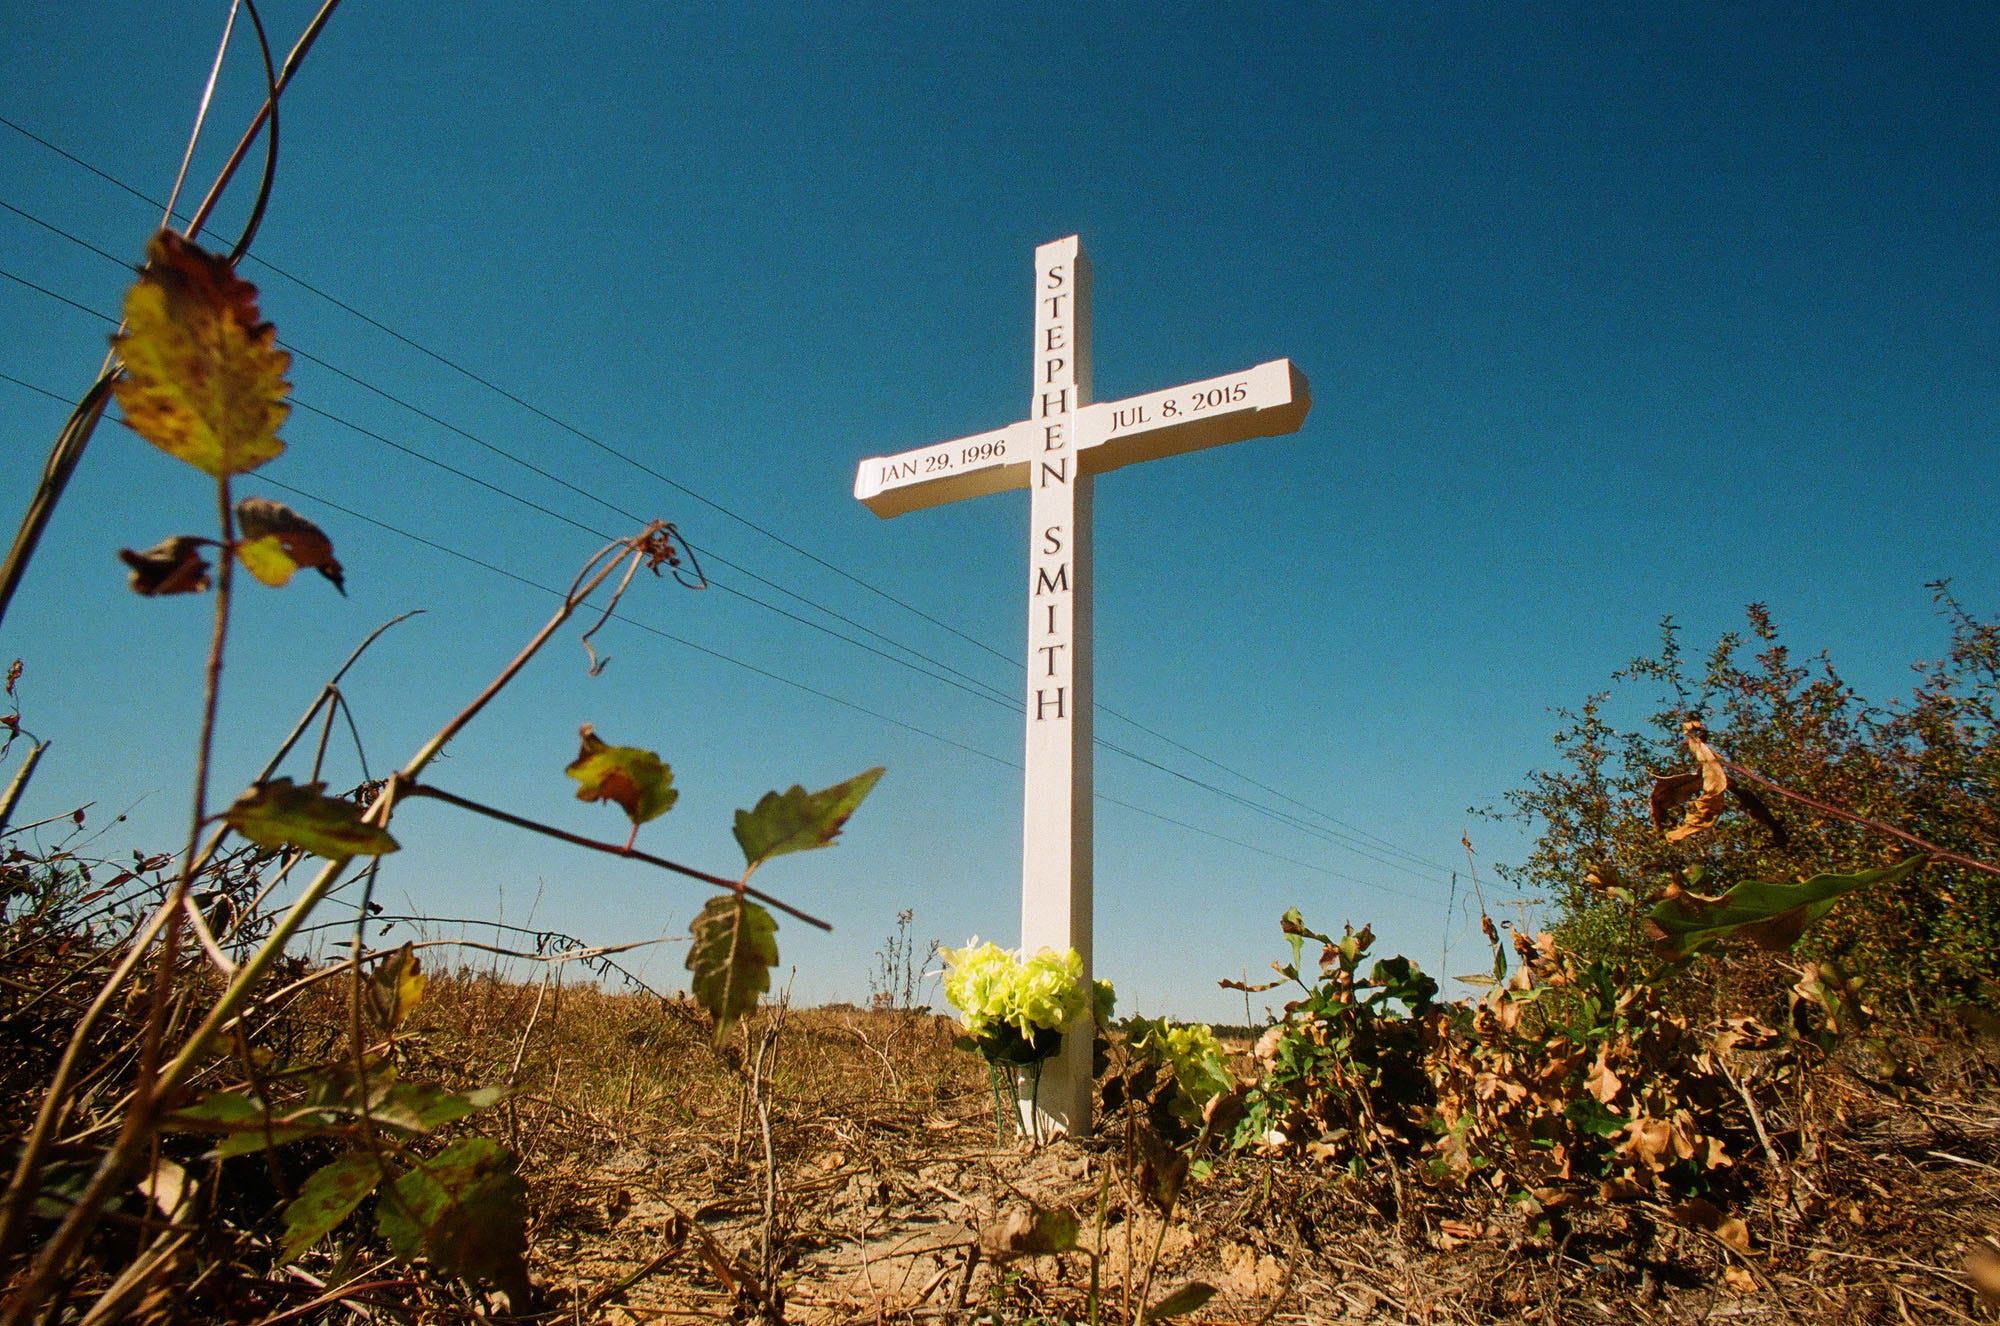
1352, 838
707, 553
965, 682
1296, 823
1108, 710
448, 362
721, 656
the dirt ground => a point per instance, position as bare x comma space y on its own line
892, 1203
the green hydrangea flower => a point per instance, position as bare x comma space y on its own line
1103, 999
1199, 1062
1013, 1007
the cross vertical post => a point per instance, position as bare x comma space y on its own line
1056, 453
1056, 846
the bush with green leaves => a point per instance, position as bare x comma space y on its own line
1854, 774
1343, 1069
1573, 1077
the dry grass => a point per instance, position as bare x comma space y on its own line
643, 1154
651, 1199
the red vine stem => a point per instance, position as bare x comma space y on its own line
1956, 858
409, 787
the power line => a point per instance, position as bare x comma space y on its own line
1342, 832
779, 678
1438, 871
1012, 662
965, 681
1343, 827
970, 685
60, 299
709, 554
1352, 837
842, 701
1303, 826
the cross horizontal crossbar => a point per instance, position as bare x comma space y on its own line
1266, 401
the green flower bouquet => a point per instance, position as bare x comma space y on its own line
1015, 1010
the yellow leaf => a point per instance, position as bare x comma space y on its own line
204, 380
396, 985
276, 541
265, 558
636, 780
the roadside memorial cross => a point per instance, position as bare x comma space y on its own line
1056, 453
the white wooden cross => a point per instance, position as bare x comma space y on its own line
1055, 453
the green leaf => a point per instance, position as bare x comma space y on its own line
1187, 1298
326, 1198
735, 947
798, 820
61, 1186
222, 1111
1401, 979
636, 780
466, 1211
245, 1124
252, 1140
420, 1107
1293, 924
1772, 916
282, 814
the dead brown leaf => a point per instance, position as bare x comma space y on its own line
1982, 1267
276, 541
1601, 1082
1648, 1142
1700, 1213
1735, 1233
1619, 1189
1753, 806
1669, 790
1024, 1232
1712, 780
171, 566
1711, 789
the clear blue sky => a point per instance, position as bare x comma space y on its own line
1608, 316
